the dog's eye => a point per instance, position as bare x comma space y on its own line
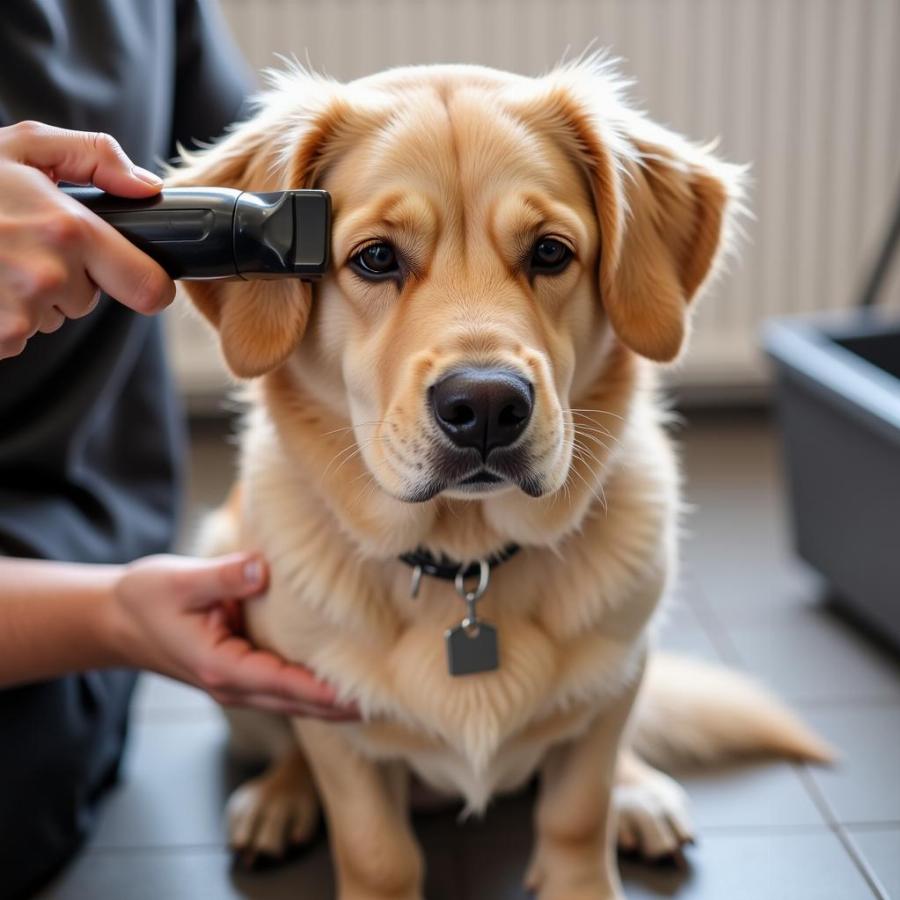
549, 256
378, 260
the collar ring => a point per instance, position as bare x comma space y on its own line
484, 577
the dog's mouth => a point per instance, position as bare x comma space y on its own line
460, 474
482, 476
481, 482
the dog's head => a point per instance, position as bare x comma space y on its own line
497, 241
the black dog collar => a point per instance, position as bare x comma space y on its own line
448, 569
473, 645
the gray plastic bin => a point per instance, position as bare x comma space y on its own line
838, 397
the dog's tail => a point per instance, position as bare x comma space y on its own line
690, 712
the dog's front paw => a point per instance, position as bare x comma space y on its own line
652, 816
265, 819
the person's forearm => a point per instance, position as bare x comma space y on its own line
54, 619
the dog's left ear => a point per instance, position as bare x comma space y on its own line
664, 206
261, 322
675, 202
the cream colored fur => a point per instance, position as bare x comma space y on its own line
461, 168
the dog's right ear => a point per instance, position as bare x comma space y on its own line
259, 322
665, 207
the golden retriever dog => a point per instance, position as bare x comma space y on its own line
456, 465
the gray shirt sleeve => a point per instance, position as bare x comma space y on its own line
212, 80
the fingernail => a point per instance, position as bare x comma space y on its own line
253, 572
146, 176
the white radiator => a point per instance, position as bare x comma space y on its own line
808, 91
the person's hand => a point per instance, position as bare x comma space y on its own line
176, 616
55, 255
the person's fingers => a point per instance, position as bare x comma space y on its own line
123, 271
233, 617
93, 252
76, 297
16, 327
298, 682
285, 707
81, 157
86, 304
202, 583
51, 321
236, 666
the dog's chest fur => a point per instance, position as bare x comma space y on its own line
570, 624
472, 736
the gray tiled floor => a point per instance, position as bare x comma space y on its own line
771, 832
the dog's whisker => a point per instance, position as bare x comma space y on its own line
365, 493
596, 492
596, 440
593, 426
602, 412
351, 449
358, 449
583, 455
598, 429
346, 428
587, 430
348, 453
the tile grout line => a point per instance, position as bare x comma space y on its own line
714, 629
886, 825
862, 863
831, 819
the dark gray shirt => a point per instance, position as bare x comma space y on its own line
90, 433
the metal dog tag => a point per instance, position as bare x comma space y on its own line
472, 648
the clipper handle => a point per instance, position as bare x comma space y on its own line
208, 233
189, 232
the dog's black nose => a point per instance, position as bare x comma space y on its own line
482, 408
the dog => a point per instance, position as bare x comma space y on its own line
455, 461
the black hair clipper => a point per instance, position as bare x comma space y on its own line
203, 233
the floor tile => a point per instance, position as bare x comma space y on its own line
865, 785
751, 586
192, 874
689, 640
880, 847
769, 866
815, 656
678, 608
737, 538
807, 864
681, 630
744, 572
774, 866
758, 796
679, 626
733, 477
173, 789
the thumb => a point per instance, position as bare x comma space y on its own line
82, 157
206, 582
